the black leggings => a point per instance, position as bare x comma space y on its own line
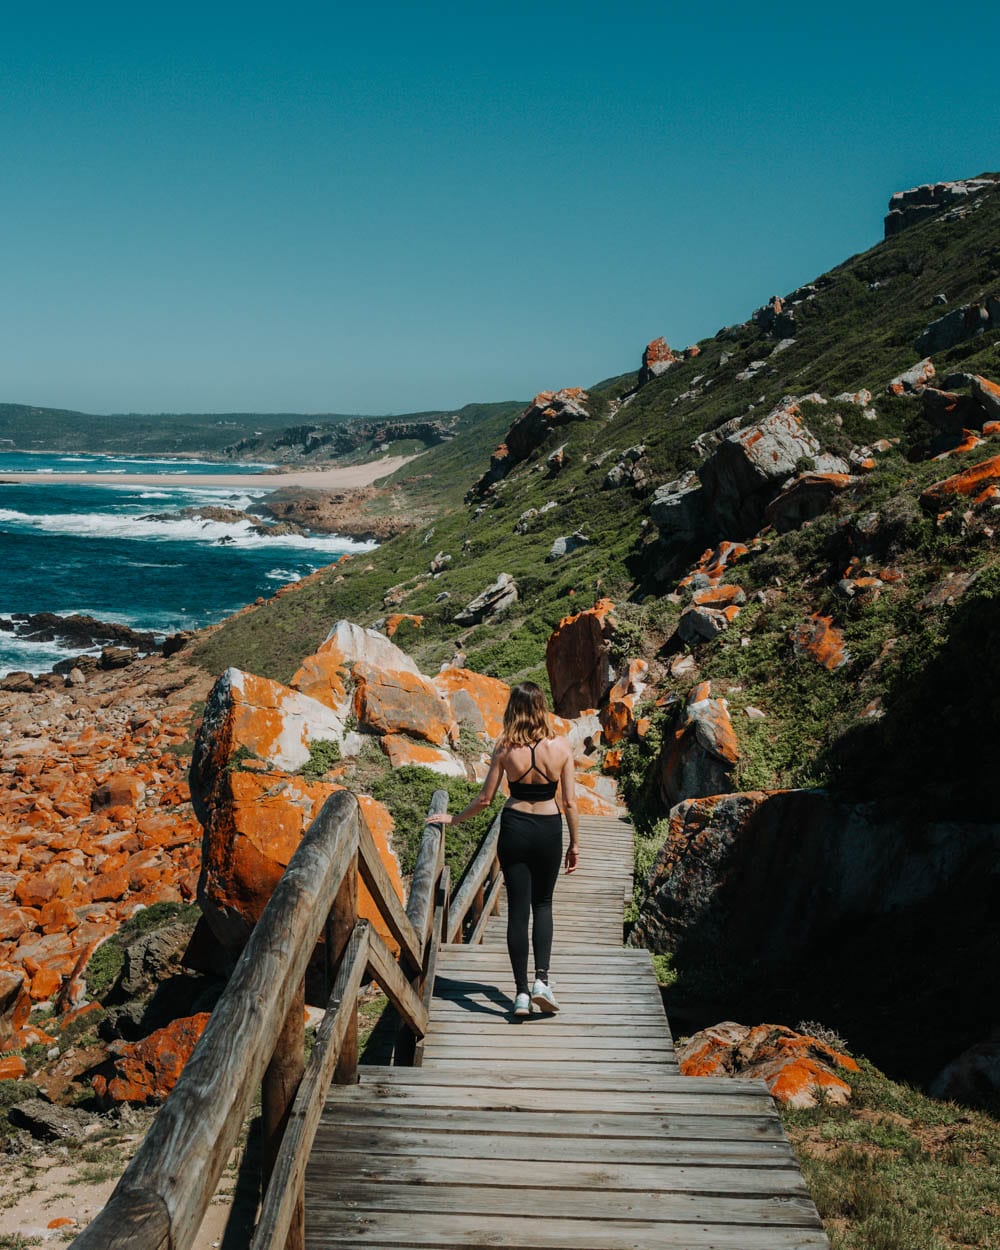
530, 851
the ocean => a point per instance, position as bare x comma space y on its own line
93, 549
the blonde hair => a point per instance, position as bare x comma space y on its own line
526, 717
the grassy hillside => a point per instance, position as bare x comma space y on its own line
858, 331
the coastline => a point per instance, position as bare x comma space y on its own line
345, 477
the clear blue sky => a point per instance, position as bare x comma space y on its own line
397, 206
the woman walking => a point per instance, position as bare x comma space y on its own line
530, 846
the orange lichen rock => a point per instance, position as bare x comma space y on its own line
912, 380
146, 1071
578, 659
657, 358
402, 751
980, 483
799, 1070
719, 597
393, 622
806, 497
326, 676
701, 753
712, 565
969, 441
822, 641
12, 1068
400, 702
618, 714
475, 700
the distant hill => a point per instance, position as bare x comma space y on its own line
282, 436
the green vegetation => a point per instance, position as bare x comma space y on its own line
407, 791
323, 754
896, 1170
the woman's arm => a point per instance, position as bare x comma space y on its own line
567, 781
482, 800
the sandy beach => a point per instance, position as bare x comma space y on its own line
345, 477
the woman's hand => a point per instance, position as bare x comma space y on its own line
572, 858
441, 818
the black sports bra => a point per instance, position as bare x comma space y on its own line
533, 791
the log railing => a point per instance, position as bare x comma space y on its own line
255, 1038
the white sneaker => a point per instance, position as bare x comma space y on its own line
543, 998
522, 1006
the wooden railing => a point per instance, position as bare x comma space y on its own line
255, 1038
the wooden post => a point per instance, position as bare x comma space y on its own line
340, 926
280, 1084
494, 873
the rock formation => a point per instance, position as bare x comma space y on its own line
578, 659
908, 208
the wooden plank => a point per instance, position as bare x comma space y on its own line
443, 1230
285, 1188
489, 902
568, 1101
190, 1140
420, 904
472, 880
741, 1127
433, 948
539, 1076
689, 1152
599, 1174
398, 990
282, 1078
522, 1039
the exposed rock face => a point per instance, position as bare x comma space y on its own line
763, 876
578, 659
908, 208
657, 358
334, 512
749, 466
913, 380
701, 754
799, 1070
630, 470
698, 624
546, 411
327, 675
958, 325
501, 595
775, 319
402, 751
566, 545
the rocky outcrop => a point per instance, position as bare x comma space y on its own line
566, 544
913, 380
494, 599
578, 659
799, 1070
396, 701
618, 715
147, 1070
629, 470
346, 512
958, 325
474, 700
819, 639
979, 484
657, 358
909, 208
804, 498
328, 675
678, 508
700, 753
547, 411
751, 464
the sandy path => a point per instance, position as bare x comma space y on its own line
344, 477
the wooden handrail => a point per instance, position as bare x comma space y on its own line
473, 879
174, 1173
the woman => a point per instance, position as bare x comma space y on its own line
530, 845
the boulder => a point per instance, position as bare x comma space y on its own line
578, 659
712, 565
744, 473
913, 380
698, 624
678, 508
988, 395
390, 702
48, 1122
393, 622
15, 1002
700, 755
494, 599
556, 460
326, 675
566, 545
804, 498
147, 1070
950, 411
657, 358
799, 1070
474, 700
529, 430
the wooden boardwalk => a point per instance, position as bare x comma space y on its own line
568, 1131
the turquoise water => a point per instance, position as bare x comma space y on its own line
92, 549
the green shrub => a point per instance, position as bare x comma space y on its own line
323, 754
